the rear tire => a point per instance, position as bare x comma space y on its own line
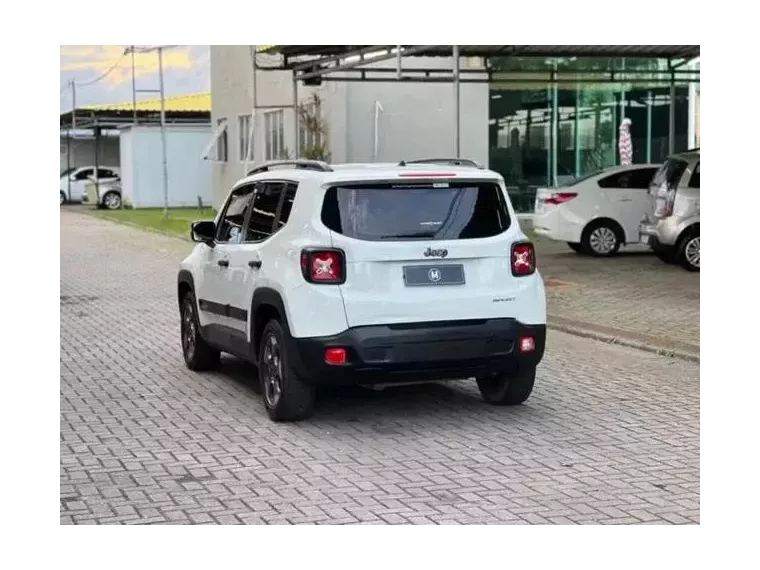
196, 351
63, 197
287, 397
112, 200
687, 252
601, 239
576, 247
508, 389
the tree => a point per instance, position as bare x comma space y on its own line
313, 130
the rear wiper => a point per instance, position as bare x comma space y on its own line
409, 235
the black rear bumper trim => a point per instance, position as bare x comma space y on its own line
419, 351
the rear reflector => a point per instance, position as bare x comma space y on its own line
527, 344
335, 356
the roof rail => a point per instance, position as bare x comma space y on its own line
449, 161
296, 163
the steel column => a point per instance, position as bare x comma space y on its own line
457, 146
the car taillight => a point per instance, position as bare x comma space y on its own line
670, 200
560, 197
523, 259
323, 266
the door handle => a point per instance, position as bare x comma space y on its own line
626, 199
254, 264
223, 263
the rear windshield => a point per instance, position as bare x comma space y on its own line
397, 212
670, 173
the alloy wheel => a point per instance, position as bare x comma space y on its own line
112, 201
272, 370
188, 328
691, 251
602, 240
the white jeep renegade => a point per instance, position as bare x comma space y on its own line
365, 274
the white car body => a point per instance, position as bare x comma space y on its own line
615, 196
374, 309
74, 182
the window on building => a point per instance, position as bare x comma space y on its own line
274, 129
244, 138
221, 142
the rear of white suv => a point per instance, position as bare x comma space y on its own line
421, 275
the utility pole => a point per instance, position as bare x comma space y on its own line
163, 131
160, 50
68, 132
134, 87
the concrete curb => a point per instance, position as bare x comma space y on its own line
622, 341
576, 329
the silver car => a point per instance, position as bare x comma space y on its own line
671, 228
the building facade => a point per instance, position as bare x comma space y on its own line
539, 122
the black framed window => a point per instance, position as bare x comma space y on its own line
232, 220
261, 224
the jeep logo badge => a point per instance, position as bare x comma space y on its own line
435, 252
434, 275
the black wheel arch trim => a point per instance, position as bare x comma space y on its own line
271, 297
184, 277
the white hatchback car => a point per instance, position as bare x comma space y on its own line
597, 213
74, 181
365, 274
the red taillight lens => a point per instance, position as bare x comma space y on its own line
323, 266
560, 197
523, 259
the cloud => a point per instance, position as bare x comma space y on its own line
186, 70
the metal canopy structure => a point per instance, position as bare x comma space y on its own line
313, 64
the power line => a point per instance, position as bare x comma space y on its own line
103, 75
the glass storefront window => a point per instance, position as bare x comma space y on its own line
543, 134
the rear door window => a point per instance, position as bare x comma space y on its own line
400, 212
670, 173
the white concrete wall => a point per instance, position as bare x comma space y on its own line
142, 170
417, 120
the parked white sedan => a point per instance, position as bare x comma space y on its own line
74, 181
597, 213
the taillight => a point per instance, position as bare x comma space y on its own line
560, 197
523, 259
670, 200
323, 266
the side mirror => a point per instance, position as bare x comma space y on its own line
203, 232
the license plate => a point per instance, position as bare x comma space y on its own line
420, 275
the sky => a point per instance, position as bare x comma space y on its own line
186, 70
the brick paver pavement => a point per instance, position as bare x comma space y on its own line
633, 295
610, 435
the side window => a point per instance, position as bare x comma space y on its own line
264, 210
84, 174
621, 180
641, 178
694, 182
287, 204
231, 222
105, 173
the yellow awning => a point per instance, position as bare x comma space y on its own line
199, 102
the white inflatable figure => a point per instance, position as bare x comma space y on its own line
625, 147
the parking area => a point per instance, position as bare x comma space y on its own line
610, 435
632, 296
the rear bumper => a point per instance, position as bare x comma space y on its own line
558, 225
419, 351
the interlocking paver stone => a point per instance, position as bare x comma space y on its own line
610, 435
